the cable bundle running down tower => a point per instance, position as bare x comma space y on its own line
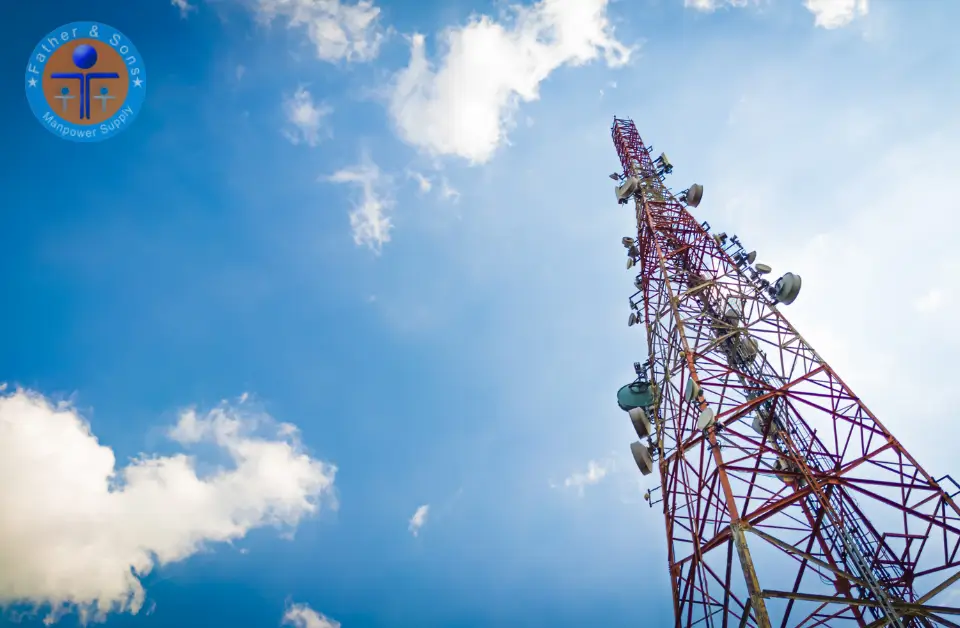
762, 449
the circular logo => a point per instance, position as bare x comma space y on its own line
86, 81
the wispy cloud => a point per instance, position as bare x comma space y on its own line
448, 192
595, 472
828, 14
931, 301
709, 6
423, 183
418, 519
184, 6
368, 220
339, 31
304, 117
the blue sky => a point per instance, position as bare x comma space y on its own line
462, 357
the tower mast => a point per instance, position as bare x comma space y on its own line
766, 457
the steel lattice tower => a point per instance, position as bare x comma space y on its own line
763, 451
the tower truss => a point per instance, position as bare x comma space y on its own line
786, 502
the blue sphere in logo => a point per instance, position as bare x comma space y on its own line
84, 56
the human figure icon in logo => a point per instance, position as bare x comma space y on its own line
64, 98
104, 97
84, 57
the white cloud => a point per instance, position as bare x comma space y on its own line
304, 117
595, 472
423, 183
827, 13
418, 519
712, 5
240, 71
865, 307
930, 302
447, 192
339, 31
184, 6
302, 616
466, 106
371, 227
81, 532
836, 13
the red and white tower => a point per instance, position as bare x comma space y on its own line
786, 501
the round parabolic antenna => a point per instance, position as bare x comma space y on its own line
694, 195
634, 395
788, 287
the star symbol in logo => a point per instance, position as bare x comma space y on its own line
137, 82
32, 82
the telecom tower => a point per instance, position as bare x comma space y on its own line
786, 502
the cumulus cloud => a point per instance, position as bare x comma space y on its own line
368, 220
302, 616
304, 117
465, 105
418, 519
81, 532
339, 31
836, 13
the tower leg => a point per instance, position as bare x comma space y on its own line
757, 604
750, 575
